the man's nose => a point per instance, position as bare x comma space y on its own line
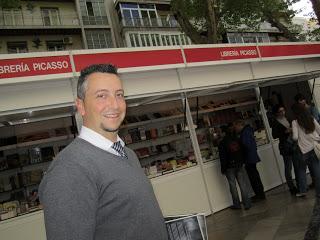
113, 102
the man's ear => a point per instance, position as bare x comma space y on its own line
80, 106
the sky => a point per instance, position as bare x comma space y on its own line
305, 6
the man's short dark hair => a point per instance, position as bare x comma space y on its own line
95, 68
299, 97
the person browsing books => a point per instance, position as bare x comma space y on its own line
95, 188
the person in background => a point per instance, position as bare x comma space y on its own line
300, 98
95, 188
232, 161
281, 129
306, 130
251, 158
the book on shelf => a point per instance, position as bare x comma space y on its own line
142, 152
142, 133
135, 134
13, 160
47, 153
60, 131
33, 137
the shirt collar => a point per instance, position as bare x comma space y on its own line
98, 140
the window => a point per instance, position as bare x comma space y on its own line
17, 47
90, 8
156, 39
50, 16
247, 37
99, 39
137, 15
12, 17
93, 12
55, 45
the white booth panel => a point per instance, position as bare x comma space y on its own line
30, 226
31, 95
150, 82
312, 64
268, 168
195, 77
218, 189
182, 193
316, 93
269, 69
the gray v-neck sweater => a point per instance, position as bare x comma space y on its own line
91, 194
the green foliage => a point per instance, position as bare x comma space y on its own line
233, 15
9, 3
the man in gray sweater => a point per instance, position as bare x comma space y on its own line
95, 188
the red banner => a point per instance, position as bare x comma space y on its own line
23, 67
220, 53
289, 50
130, 59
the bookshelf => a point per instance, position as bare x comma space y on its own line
157, 133
211, 113
26, 151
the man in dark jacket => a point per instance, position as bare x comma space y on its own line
232, 160
251, 158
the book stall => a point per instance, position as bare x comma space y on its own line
178, 98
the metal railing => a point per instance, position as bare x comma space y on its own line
150, 22
95, 20
17, 21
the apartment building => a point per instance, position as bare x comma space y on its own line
53, 25
142, 23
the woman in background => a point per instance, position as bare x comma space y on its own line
306, 130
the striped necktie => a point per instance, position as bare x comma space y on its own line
120, 149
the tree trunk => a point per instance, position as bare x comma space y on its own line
212, 23
189, 30
316, 8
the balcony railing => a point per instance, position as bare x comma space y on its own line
17, 21
95, 20
150, 22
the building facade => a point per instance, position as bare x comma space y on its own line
48, 25
36, 26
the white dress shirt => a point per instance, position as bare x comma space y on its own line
98, 140
305, 141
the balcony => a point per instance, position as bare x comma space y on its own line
95, 20
23, 22
163, 22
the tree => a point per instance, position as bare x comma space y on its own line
316, 8
206, 21
9, 3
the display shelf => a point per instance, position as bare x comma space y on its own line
37, 142
242, 104
159, 156
172, 171
20, 188
151, 121
12, 190
210, 160
25, 167
158, 141
157, 120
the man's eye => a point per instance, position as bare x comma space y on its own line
101, 96
120, 95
